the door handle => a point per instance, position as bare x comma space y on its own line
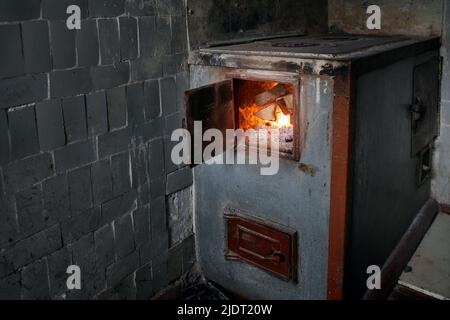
417, 111
276, 257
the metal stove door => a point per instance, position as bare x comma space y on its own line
209, 107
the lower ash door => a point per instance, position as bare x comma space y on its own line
263, 244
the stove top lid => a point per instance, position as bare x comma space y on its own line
317, 46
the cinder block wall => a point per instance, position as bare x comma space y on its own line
85, 170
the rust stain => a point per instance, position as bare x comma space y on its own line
340, 184
308, 169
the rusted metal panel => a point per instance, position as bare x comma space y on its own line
340, 183
445, 208
261, 243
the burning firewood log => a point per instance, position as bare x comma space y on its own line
286, 104
270, 96
268, 113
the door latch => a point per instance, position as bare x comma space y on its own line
417, 112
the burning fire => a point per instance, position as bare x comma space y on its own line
249, 119
282, 119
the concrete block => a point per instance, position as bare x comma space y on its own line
175, 63
87, 44
101, 181
152, 97
147, 34
145, 253
106, 8
10, 287
35, 247
58, 262
175, 263
74, 111
80, 225
141, 221
148, 131
74, 155
56, 199
156, 159
126, 289
128, 38
136, 104
97, 113
157, 187
104, 246
80, 190
170, 7
12, 61
189, 256
158, 221
9, 229
120, 173
56, 9
5, 155
29, 211
94, 276
160, 275
114, 142
36, 46
179, 180
6, 265
20, 11
168, 147
182, 80
35, 281
172, 123
50, 123
140, 7
117, 108
108, 32
146, 68
144, 285
179, 34
22, 90
23, 173
23, 132
163, 45
70, 82
143, 194
119, 207
139, 166
124, 240
180, 212
106, 77
121, 269
168, 96
63, 45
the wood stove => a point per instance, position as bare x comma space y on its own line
357, 118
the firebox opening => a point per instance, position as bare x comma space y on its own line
267, 105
